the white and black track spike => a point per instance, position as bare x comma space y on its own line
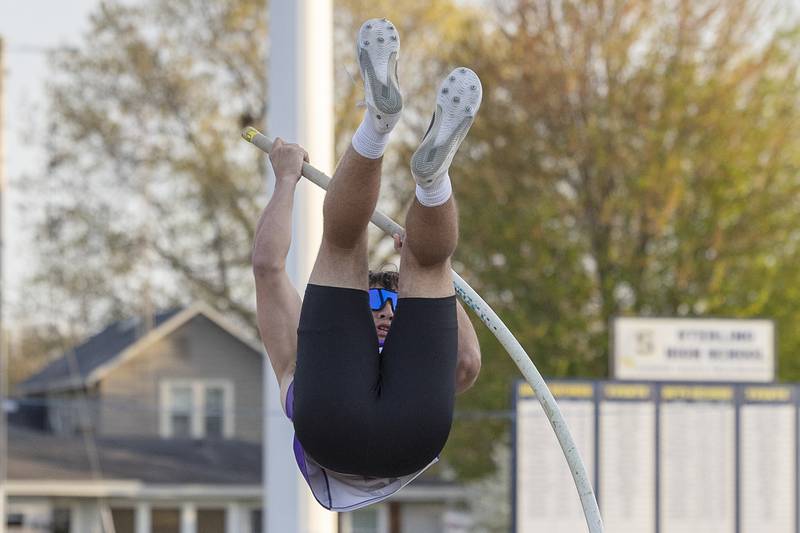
377, 51
457, 102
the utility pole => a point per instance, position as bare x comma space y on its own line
3, 351
300, 109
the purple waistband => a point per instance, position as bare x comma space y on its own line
299, 453
290, 401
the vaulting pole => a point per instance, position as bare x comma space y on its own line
506, 338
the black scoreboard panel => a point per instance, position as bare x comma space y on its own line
663, 457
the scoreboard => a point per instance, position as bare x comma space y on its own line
663, 457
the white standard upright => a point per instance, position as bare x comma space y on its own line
3, 354
299, 109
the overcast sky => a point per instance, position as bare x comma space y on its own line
29, 28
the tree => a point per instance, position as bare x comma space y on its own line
642, 161
30, 348
148, 192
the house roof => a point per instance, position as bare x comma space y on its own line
36, 455
86, 363
48, 463
96, 351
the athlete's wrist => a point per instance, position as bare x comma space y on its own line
286, 180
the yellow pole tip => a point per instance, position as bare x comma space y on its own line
249, 133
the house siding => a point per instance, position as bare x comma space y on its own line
198, 350
69, 411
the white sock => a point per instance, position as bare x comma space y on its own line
437, 193
369, 142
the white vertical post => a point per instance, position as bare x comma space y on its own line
233, 522
142, 518
87, 517
3, 354
300, 109
188, 518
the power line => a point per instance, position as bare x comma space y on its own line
35, 49
29, 49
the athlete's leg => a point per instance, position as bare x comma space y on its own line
353, 192
349, 203
418, 364
432, 220
338, 376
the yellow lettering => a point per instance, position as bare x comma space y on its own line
570, 390
627, 392
696, 393
768, 394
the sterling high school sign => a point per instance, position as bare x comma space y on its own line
665, 349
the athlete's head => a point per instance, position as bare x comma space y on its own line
382, 300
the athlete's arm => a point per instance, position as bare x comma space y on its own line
469, 352
277, 301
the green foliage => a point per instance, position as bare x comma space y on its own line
629, 158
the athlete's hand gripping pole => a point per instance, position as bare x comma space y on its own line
503, 334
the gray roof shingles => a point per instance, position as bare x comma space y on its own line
36, 455
96, 351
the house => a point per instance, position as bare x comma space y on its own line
193, 375
157, 428
162, 426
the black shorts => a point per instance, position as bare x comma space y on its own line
358, 411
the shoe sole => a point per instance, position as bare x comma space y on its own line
378, 38
457, 102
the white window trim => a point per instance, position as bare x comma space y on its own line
197, 416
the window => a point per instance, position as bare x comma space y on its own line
210, 520
165, 521
214, 411
124, 520
365, 521
61, 520
180, 411
196, 409
255, 521
368, 520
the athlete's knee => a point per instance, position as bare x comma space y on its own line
429, 256
343, 240
467, 369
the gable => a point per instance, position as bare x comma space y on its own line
119, 342
71, 369
197, 348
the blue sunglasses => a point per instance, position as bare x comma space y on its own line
379, 297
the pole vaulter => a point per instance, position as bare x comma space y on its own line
503, 334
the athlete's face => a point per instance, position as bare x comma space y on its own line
383, 318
